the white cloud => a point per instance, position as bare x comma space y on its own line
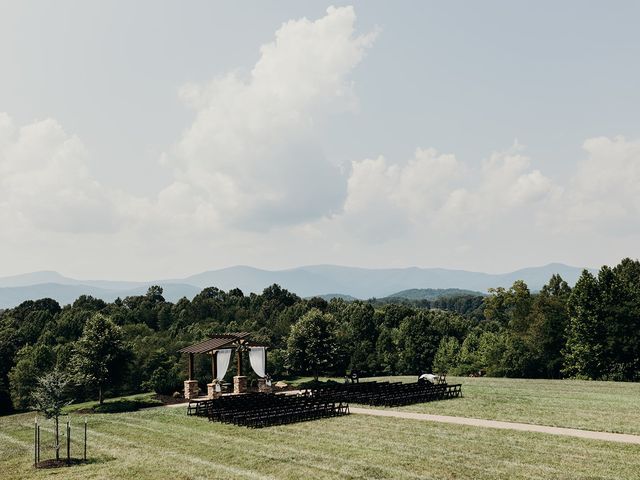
385, 199
436, 191
250, 158
45, 182
505, 185
604, 193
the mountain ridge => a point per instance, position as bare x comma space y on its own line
307, 281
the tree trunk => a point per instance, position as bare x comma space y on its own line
57, 441
100, 399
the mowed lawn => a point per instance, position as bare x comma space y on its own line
163, 443
601, 406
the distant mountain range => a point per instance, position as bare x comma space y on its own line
308, 281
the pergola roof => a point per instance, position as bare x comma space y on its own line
225, 340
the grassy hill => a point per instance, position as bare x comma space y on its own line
432, 293
159, 443
331, 296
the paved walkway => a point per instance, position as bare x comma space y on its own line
526, 427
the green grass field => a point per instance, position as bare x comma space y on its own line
601, 406
159, 443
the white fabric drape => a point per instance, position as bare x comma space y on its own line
257, 358
224, 357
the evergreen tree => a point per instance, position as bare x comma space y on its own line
584, 353
548, 323
623, 333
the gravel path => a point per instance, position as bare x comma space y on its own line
477, 422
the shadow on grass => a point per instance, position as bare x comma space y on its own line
122, 406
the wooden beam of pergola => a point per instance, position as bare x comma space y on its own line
238, 341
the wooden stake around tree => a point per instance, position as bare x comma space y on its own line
50, 396
85, 440
35, 443
68, 443
57, 440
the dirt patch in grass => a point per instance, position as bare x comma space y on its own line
53, 463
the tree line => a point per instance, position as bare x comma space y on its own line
590, 331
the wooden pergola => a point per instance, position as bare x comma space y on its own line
238, 341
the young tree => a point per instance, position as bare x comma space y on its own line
50, 396
311, 343
101, 355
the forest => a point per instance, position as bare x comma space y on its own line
590, 331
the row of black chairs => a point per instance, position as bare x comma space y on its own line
261, 410
258, 410
407, 394
297, 409
350, 392
388, 394
202, 407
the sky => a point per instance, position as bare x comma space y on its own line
155, 139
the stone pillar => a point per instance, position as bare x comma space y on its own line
211, 391
191, 389
240, 384
263, 387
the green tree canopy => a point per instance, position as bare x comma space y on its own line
101, 355
311, 343
417, 342
32, 361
